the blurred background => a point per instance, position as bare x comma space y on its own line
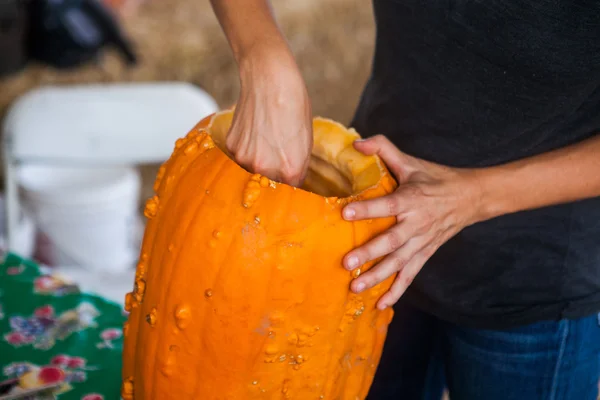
180, 40
68, 43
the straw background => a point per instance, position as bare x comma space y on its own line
181, 40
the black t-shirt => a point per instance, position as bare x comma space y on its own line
474, 83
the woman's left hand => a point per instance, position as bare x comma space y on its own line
431, 204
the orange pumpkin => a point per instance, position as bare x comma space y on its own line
240, 291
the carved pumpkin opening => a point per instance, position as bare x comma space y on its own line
336, 168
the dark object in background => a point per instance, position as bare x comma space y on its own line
13, 25
69, 33
59, 33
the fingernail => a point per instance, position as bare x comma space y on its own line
383, 306
360, 287
349, 213
352, 262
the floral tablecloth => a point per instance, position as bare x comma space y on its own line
50, 332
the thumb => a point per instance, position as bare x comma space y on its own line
397, 161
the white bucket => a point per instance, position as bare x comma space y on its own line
24, 235
88, 216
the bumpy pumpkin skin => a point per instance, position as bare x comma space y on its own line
240, 291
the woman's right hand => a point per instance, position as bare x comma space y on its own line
271, 132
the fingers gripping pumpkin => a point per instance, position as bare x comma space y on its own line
240, 291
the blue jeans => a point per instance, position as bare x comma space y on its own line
553, 360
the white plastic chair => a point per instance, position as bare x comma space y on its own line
96, 125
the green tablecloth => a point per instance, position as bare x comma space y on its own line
50, 332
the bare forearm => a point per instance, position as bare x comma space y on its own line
271, 133
568, 174
249, 24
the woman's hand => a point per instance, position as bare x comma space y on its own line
432, 204
271, 132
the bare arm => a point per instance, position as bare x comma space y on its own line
568, 174
249, 23
434, 202
271, 132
